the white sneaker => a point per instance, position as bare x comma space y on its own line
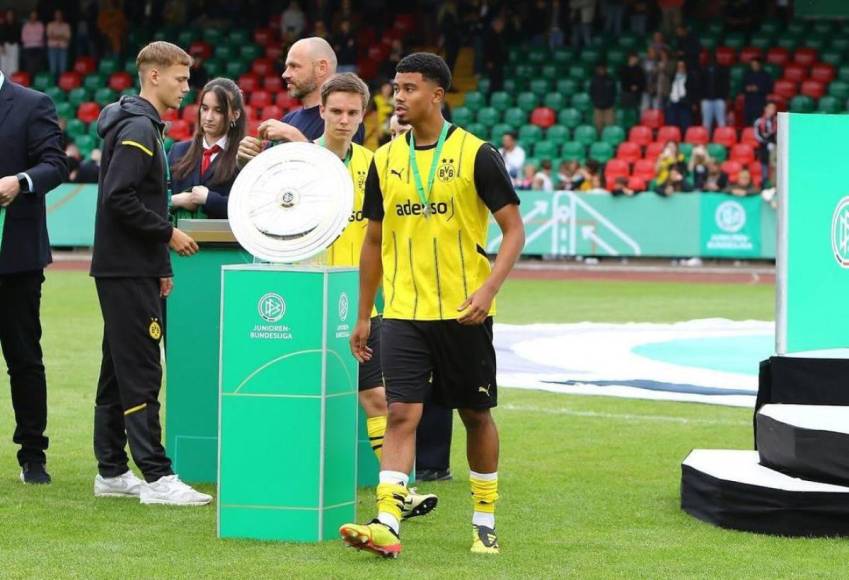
125, 485
169, 490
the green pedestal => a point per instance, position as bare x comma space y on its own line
288, 402
192, 343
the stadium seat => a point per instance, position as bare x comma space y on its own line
187, 36
259, 99
566, 86
731, 169
500, 101
749, 53
22, 78
233, 69
84, 65
558, 134
734, 40
554, 101
756, 171
223, 52
272, 112
540, 87
669, 133
529, 135
726, 136
840, 44
788, 43
573, 151
653, 150
201, 48
697, 135
585, 134
250, 52
823, 72
105, 96
108, 66
497, 133
170, 115
77, 97
832, 57
747, 136
625, 117
778, 56
801, 104
56, 94
461, 116
628, 152
263, 36
795, 72
189, 113
829, 105
839, 89
742, 153
477, 130
725, 56
570, 117
784, 88
69, 81
86, 144
582, 102
601, 151
546, 150
74, 128
248, 82
527, 101
474, 101
285, 101
179, 130
94, 81
88, 112
515, 117
613, 134
578, 72
805, 56
543, 117
640, 134
65, 110
644, 169
262, 67
614, 168
717, 151
636, 183
760, 41
213, 35
119, 81
652, 118
813, 89
488, 117
273, 84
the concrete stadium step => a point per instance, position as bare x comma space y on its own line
730, 489
808, 441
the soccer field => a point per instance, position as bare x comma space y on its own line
589, 485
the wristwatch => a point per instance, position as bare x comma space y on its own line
23, 182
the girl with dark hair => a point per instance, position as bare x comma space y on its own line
204, 168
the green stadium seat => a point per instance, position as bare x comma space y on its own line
66, 110
686, 149
761, 40
566, 86
529, 135
56, 94
461, 116
590, 56
582, 102
562, 57
715, 28
74, 128
558, 134
616, 57
540, 87
498, 132
500, 101
840, 44
78, 96
796, 28
130, 67
104, 95
601, 151
626, 118
839, 89
94, 82
788, 42
832, 57
578, 72
546, 149
130, 92
772, 70
550, 71
525, 71
629, 42
215, 68
554, 101
709, 42
822, 28
527, 101
843, 73
488, 117
573, 151
43, 81
477, 130
107, 66
735, 40
737, 71
191, 97
513, 86
613, 134
213, 36
250, 52
538, 55
223, 52
585, 134
570, 117
474, 101
516, 55
239, 37
816, 42
828, 104
187, 36
801, 104
86, 143
515, 116
234, 69
92, 130
770, 27
484, 85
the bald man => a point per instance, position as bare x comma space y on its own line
309, 63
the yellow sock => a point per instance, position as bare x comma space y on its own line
484, 494
390, 502
376, 427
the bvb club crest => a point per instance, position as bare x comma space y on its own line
361, 179
446, 172
154, 330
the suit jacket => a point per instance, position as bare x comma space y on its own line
216, 202
30, 142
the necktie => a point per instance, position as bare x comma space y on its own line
207, 158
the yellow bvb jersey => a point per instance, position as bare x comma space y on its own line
345, 251
432, 264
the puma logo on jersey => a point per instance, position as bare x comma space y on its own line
397, 172
485, 390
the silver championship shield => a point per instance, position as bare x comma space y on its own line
290, 202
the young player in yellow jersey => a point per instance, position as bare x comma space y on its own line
428, 197
344, 98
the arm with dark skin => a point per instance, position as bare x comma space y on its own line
371, 271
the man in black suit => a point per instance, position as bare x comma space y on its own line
32, 162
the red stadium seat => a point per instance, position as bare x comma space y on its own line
248, 82
274, 52
726, 136
260, 99
813, 89
251, 113
644, 169
285, 101
201, 48
88, 112
179, 130
22, 78
652, 118
805, 56
272, 84
669, 133
120, 81
757, 172
543, 117
795, 72
253, 127
823, 72
653, 150
778, 55
731, 169
749, 53
785, 89
636, 183
780, 102
628, 152
272, 112
262, 67
190, 113
170, 115
84, 65
697, 135
614, 168
69, 81
263, 36
640, 134
742, 153
725, 56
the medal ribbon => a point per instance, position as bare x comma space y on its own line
437, 153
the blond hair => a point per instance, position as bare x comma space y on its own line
345, 83
162, 54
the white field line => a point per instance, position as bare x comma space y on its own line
621, 416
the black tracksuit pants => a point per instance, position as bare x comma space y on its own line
20, 336
127, 404
433, 438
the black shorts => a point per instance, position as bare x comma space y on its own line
371, 376
455, 364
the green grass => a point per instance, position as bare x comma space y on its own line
589, 484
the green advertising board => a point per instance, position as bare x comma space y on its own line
813, 249
288, 410
730, 227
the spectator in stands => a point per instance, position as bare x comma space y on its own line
603, 96
32, 41
662, 81
639, 16
757, 84
384, 103
620, 187
10, 37
204, 168
682, 96
112, 24
715, 85
670, 158
495, 53
536, 22
345, 46
632, 78
675, 183
543, 180
527, 181
569, 177
715, 180
583, 14
82, 170
396, 53
649, 65
555, 32
58, 40
744, 185
766, 131
199, 77
591, 173
87, 37
698, 166
658, 42
513, 154
614, 15
293, 19
448, 18
688, 47
670, 12
397, 127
